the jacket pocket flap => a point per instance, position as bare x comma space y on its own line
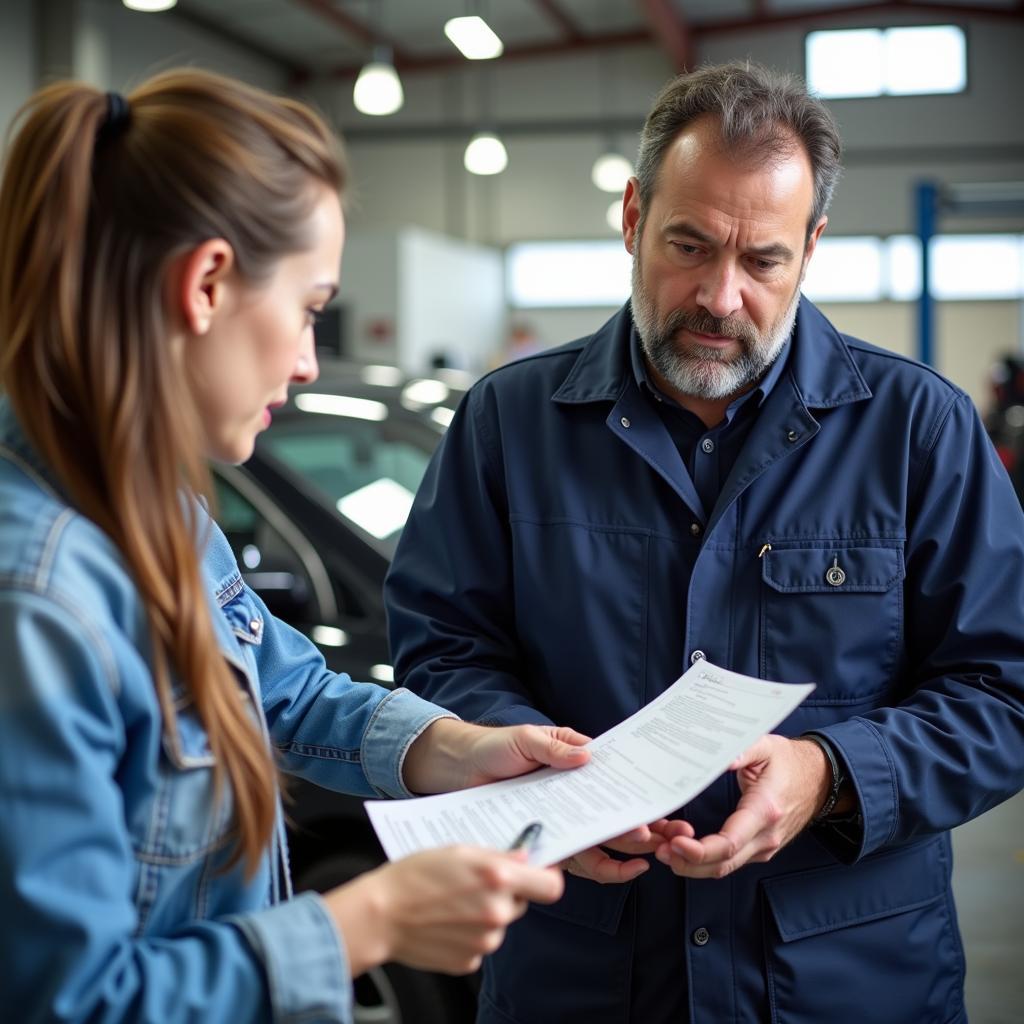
589, 904
859, 570
826, 899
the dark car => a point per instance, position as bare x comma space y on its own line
313, 518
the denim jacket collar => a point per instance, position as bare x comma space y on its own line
14, 444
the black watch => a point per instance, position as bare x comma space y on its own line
838, 776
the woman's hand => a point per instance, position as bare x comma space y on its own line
440, 910
450, 754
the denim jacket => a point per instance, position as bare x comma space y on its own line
112, 904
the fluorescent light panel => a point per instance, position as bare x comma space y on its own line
474, 38
380, 508
341, 405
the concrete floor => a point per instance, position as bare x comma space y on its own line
988, 878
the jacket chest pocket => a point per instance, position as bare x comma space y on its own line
832, 614
245, 621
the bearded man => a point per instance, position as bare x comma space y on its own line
718, 472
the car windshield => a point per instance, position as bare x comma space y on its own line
368, 471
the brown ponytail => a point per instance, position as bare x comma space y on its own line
89, 222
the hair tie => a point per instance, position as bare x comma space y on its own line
119, 114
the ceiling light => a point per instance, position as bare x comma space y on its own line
614, 215
611, 171
378, 89
475, 39
485, 154
149, 6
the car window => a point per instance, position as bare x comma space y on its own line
368, 471
269, 563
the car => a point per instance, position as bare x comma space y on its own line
313, 519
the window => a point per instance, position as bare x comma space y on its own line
561, 274
846, 270
886, 62
963, 267
269, 563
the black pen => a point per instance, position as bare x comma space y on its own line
527, 839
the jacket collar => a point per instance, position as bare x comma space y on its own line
820, 364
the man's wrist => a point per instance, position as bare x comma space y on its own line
839, 797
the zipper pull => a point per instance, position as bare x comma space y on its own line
764, 550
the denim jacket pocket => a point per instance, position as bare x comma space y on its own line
848, 592
243, 617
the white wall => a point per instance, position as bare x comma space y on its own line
452, 302
410, 295
368, 291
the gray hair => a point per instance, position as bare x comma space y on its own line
760, 112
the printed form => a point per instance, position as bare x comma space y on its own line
642, 769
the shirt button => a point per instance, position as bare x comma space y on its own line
625, 422
695, 529
792, 436
255, 625
694, 658
701, 937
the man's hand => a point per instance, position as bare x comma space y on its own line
783, 784
450, 754
598, 866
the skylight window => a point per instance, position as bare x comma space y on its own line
887, 62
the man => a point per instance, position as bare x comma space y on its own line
719, 473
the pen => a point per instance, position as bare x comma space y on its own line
527, 839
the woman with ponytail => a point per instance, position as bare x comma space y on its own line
162, 258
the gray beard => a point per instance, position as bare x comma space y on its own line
699, 370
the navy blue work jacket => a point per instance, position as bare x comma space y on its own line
558, 567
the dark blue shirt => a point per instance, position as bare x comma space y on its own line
707, 454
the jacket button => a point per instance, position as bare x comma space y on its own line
695, 529
707, 446
625, 422
792, 436
701, 937
695, 657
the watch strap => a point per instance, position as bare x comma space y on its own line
838, 776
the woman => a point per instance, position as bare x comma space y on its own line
162, 260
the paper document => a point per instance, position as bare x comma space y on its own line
640, 770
